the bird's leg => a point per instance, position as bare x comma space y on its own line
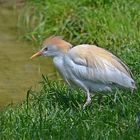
88, 99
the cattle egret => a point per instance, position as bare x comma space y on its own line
91, 68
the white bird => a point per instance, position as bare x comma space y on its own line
91, 68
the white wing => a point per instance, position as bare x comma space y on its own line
84, 62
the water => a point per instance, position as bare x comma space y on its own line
17, 72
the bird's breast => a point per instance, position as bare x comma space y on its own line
59, 64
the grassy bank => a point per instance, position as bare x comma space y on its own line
55, 112
111, 25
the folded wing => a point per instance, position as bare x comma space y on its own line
89, 62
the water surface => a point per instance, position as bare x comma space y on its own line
17, 72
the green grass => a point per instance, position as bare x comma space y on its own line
55, 112
111, 25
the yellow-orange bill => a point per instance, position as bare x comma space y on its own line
36, 55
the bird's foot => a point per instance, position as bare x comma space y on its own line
88, 101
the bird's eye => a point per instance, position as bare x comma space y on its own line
45, 49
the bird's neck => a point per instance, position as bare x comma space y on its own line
58, 58
58, 62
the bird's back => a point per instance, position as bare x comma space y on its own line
96, 65
95, 57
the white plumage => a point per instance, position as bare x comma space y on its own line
87, 66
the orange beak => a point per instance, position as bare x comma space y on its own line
36, 55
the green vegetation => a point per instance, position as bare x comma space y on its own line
55, 112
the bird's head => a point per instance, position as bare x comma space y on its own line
53, 46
